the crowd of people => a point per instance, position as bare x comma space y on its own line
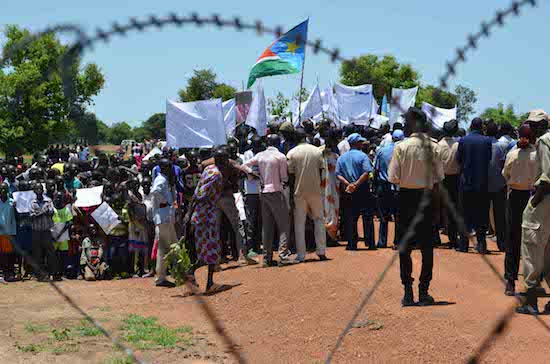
293, 190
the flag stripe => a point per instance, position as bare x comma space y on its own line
270, 67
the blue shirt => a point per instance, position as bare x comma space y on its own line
498, 157
8, 225
474, 154
382, 161
352, 165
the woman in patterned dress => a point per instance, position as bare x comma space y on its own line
205, 218
329, 185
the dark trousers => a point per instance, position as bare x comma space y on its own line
355, 205
451, 185
118, 256
409, 200
516, 204
476, 215
43, 252
388, 202
253, 220
499, 211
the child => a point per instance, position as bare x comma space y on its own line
118, 237
91, 261
8, 229
62, 220
42, 247
138, 237
75, 250
145, 191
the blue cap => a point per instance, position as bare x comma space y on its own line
356, 138
398, 135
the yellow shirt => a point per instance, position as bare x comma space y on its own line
519, 168
449, 148
408, 164
306, 161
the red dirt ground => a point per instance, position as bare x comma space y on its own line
295, 314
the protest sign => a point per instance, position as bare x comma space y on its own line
106, 217
23, 201
87, 197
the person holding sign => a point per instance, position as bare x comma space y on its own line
42, 247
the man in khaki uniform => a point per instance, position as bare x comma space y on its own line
535, 235
449, 149
408, 170
305, 163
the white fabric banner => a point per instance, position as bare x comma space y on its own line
229, 116
153, 152
374, 107
312, 108
197, 124
86, 197
257, 116
378, 120
106, 217
354, 108
351, 90
437, 115
23, 201
405, 99
330, 105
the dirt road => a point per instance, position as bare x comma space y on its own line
294, 314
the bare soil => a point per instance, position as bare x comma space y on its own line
294, 314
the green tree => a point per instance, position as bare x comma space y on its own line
466, 100
500, 114
203, 86
140, 134
102, 130
37, 95
383, 73
118, 132
436, 97
156, 126
278, 106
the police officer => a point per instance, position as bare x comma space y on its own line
535, 234
408, 169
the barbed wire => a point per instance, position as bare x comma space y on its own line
486, 27
135, 25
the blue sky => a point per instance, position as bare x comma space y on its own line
143, 70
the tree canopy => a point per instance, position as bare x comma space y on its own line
204, 86
35, 108
501, 114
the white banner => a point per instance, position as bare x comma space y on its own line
153, 152
330, 105
378, 121
312, 108
106, 217
229, 116
86, 197
437, 115
354, 108
351, 90
257, 116
197, 124
405, 99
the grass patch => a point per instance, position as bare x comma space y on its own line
105, 309
125, 360
30, 348
61, 334
66, 348
32, 328
145, 333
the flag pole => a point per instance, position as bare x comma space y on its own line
302, 80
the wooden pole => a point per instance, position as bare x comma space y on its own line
302, 81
